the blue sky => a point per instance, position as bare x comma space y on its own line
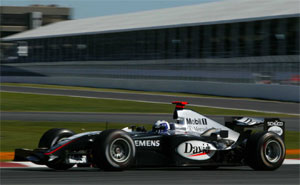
93, 8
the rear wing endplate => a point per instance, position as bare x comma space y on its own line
269, 124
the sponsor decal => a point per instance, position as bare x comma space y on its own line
196, 150
194, 121
148, 143
276, 130
197, 129
77, 159
275, 123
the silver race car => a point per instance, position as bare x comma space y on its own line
191, 140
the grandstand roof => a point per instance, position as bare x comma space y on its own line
206, 13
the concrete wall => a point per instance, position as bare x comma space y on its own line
263, 91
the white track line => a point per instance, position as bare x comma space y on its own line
30, 164
291, 161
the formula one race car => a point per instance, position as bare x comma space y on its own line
192, 140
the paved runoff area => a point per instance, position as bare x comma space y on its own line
32, 165
287, 174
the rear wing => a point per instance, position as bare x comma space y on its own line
269, 124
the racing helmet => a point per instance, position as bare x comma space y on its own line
161, 126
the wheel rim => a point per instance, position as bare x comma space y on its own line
120, 150
273, 151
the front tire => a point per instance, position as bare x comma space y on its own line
265, 151
113, 150
51, 138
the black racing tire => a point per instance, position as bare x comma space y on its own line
113, 150
265, 151
52, 137
49, 139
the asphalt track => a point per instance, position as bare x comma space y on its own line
126, 118
241, 104
285, 175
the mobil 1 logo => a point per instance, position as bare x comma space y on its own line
198, 121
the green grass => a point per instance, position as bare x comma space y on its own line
34, 102
120, 90
20, 134
292, 139
103, 89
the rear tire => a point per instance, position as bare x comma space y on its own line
113, 150
265, 151
51, 138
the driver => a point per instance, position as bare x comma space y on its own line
161, 126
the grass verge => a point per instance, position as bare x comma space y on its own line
127, 91
109, 90
292, 141
34, 102
20, 134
